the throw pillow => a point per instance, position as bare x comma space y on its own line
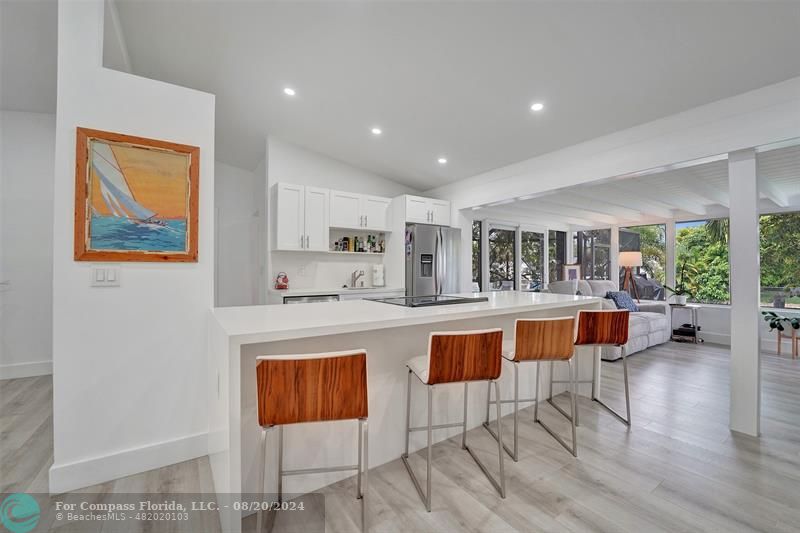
622, 300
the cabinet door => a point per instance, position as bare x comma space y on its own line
441, 212
317, 225
376, 212
346, 210
289, 217
418, 210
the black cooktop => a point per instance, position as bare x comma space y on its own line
426, 301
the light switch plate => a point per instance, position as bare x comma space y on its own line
105, 276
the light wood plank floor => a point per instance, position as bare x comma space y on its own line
678, 469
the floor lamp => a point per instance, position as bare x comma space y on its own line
628, 260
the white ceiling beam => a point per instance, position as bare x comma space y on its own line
772, 192
590, 205
657, 194
626, 199
514, 213
542, 206
713, 195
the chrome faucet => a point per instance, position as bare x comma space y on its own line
354, 277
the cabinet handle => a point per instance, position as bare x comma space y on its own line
307, 245
366, 220
361, 218
301, 242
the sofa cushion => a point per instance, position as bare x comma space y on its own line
599, 287
655, 321
584, 289
563, 287
622, 300
638, 326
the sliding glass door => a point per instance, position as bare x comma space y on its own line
502, 258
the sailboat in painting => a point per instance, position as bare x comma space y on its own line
120, 219
116, 193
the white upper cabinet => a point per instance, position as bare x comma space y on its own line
290, 223
427, 210
345, 209
359, 211
301, 217
316, 218
376, 212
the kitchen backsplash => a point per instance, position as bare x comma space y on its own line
316, 271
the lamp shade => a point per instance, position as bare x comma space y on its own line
630, 259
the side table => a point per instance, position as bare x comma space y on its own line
693, 308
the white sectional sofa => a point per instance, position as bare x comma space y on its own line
648, 327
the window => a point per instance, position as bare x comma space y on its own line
780, 262
652, 242
502, 258
476, 253
594, 253
557, 253
701, 260
531, 266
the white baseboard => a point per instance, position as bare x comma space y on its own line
26, 370
87, 472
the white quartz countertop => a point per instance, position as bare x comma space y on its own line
336, 290
266, 323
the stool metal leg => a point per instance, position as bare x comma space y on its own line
572, 393
514, 454
430, 447
536, 394
626, 420
464, 427
408, 412
577, 386
363, 488
261, 460
280, 464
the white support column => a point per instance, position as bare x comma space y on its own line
546, 258
614, 259
745, 368
569, 252
669, 267
485, 286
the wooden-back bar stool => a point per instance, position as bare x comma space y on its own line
602, 328
455, 357
538, 340
295, 389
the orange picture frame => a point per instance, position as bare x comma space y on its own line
136, 199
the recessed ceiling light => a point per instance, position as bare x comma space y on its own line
288, 91
376, 131
442, 160
538, 106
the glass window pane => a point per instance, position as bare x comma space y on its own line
557, 253
532, 261
780, 260
502, 248
651, 240
702, 270
476, 252
594, 253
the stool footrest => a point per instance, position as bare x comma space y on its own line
567, 381
526, 400
319, 470
439, 426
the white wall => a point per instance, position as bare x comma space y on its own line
292, 164
27, 147
237, 209
129, 363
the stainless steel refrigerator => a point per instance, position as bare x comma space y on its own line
431, 259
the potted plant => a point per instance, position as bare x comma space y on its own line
680, 294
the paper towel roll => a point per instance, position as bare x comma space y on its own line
378, 276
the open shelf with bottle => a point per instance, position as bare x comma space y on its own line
357, 242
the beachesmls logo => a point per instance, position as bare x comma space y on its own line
19, 513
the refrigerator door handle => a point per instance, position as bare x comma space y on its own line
436, 287
438, 262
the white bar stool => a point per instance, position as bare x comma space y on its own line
456, 357
295, 389
538, 340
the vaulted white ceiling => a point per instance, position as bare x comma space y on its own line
697, 190
453, 78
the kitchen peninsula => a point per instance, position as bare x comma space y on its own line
391, 334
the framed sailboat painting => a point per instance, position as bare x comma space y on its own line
136, 199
